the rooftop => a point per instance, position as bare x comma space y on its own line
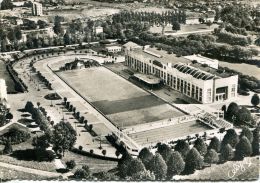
165, 58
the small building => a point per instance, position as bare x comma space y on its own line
36, 9
113, 49
130, 46
98, 30
3, 90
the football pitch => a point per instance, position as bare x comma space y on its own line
121, 101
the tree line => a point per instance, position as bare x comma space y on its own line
152, 18
181, 159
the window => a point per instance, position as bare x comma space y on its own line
233, 90
209, 95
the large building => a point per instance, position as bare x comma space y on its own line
36, 9
195, 80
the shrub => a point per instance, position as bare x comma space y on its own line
70, 164
80, 148
230, 138
145, 155
158, 167
255, 143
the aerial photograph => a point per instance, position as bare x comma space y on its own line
129, 90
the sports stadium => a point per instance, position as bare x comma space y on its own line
142, 119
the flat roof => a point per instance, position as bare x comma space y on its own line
165, 58
150, 79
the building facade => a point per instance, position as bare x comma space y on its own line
113, 49
3, 90
193, 82
36, 9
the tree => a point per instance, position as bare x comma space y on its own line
145, 155
104, 152
9, 116
247, 133
65, 100
214, 144
243, 115
255, 100
255, 143
165, 151
117, 153
193, 161
175, 165
70, 164
29, 107
38, 104
211, 156
158, 167
57, 25
182, 147
176, 26
66, 39
231, 111
64, 136
41, 142
42, 24
200, 145
243, 148
230, 138
226, 152
123, 165
8, 147
209, 23
135, 167
6, 4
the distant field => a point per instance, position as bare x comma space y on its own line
124, 103
247, 69
8, 80
184, 28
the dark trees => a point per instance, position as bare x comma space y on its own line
255, 100
214, 144
158, 167
227, 152
211, 156
145, 155
193, 161
182, 147
243, 148
200, 145
230, 138
255, 143
175, 165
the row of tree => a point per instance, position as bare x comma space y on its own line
152, 18
166, 163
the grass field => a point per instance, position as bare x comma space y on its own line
224, 171
9, 174
168, 132
247, 69
46, 166
5, 75
124, 103
95, 165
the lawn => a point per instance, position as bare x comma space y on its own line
46, 166
247, 69
9, 174
224, 171
123, 102
8, 80
95, 165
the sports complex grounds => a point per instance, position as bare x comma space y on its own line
127, 106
